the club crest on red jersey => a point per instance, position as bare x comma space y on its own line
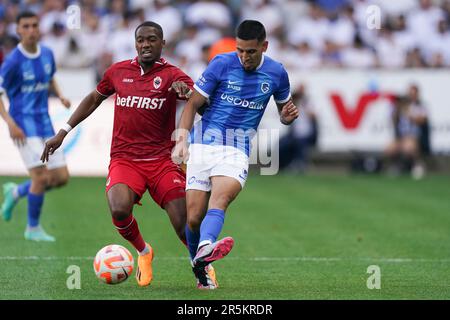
157, 82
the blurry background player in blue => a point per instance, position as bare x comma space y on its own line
238, 86
26, 76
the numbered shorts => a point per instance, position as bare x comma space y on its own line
31, 154
206, 161
164, 180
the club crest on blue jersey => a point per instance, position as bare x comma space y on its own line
265, 87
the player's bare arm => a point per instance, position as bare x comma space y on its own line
180, 152
84, 110
288, 112
15, 132
182, 89
55, 88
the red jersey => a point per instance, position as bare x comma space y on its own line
144, 111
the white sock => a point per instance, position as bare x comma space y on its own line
145, 251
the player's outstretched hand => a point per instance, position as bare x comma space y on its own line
17, 134
289, 113
65, 102
51, 145
180, 153
181, 88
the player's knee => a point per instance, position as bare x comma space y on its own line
120, 213
59, 181
221, 201
40, 181
120, 210
194, 222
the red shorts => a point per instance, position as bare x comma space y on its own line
164, 180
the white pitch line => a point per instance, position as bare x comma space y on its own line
257, 259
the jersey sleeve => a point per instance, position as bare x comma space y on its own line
210, 78
8, 74
283, 92
106, 86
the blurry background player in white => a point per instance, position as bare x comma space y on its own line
238, 86
27, 77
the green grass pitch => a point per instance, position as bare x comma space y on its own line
297, 237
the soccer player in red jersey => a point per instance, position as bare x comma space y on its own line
146, 89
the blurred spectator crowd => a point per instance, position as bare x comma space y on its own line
302, 34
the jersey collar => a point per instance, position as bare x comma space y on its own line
258, 67
27, 54
157, 64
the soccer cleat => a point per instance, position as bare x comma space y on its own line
38, 234
212, 252
206, 277
144, 271
8, 200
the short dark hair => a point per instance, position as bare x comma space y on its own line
250, 30
150, 24
25, 14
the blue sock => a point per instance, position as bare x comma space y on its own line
212, 225
192, 239
23, 188
35, 202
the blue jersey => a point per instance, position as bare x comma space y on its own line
25, 78
237, 99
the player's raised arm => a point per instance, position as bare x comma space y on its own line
84, 110
288, 112
180, 152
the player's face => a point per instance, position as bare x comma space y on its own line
148, 44
28, 30
250, 52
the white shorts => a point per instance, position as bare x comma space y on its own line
206, 161
31, 154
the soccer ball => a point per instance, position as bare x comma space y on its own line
113, 264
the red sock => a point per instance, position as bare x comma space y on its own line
129, 229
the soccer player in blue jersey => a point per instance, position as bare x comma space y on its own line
237, 87
26, 76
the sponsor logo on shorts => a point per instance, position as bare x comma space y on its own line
244, 174
198, 181
108, 181
176, 181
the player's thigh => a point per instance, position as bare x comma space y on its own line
125, 186
31, 152
197, 205
166, 182
198, 169
409, 145
39, 179
223, 191
121, 199
392, 148
58, 177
